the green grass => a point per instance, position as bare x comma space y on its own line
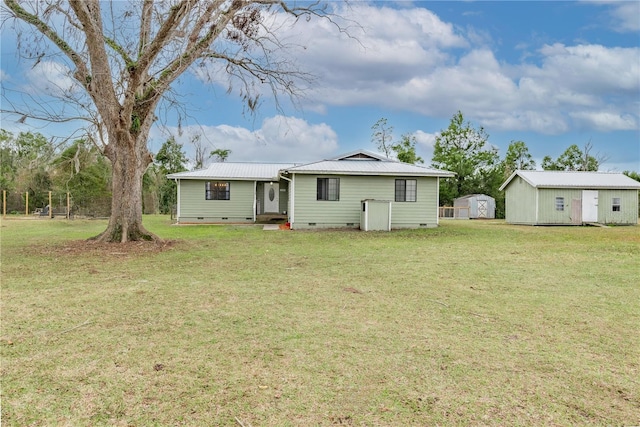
473, 323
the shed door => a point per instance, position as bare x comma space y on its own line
589, 205
271, 197
576, 211
482, 208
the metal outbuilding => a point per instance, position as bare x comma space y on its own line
571, 198
478, 206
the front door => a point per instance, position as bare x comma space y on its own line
271, 197
589, 206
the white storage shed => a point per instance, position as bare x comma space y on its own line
479, 206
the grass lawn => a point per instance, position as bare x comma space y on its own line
472, 323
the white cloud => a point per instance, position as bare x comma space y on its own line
387, 47
50, 78
390, 47
408, 59
591, 67
425, 139
626, 16
425, 143
605, 121
279, 139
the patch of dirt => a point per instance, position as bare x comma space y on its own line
108, 250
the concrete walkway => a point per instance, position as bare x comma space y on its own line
271, 227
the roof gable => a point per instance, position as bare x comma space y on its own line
362, 155
574, 179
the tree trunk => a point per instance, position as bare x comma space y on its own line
129, 161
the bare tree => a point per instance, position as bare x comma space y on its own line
200, 152
382, 136
588, 161
124, 58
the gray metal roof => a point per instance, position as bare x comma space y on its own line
574, 179
366, 167
469, 196
375, 164
236, 171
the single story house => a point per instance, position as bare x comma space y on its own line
566, 198
330, 193
475, 206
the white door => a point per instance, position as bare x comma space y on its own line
271, 197
482, 208
589, 205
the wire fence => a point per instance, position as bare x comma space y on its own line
52, 204
461, 212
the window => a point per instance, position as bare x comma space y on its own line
615, 204
328, 189
217, 190
559, 203
406, 190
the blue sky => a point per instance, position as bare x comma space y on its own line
548, 73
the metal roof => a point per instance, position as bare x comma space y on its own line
235, 171
359, 162
469, 196
366, 167
574, 179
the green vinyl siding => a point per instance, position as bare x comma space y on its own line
628, 213
194, 207
354, 189
547, 213
520, 202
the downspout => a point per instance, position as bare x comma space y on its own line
537, 194
178, 202
255, 199
291, 197
437, 201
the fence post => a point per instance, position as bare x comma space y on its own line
4, 203
50, 207
68, 207
26, 198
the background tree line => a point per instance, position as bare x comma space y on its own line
30, 163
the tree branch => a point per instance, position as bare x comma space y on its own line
102, 90
176, 67
149, 53
145, 25
117, 48
81, 73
